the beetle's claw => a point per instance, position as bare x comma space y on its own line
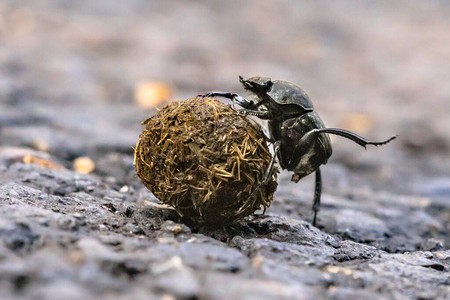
382, 142
203, 95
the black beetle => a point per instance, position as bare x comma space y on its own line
300, 138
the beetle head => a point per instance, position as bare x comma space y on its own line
257, 84
282, 99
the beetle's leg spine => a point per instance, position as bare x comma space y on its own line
264, 115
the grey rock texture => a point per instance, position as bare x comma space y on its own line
67, 72
85, 238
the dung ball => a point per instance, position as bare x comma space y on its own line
206, 160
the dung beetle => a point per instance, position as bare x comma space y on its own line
300, 139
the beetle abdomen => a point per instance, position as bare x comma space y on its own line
303, 158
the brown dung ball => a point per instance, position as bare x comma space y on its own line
206, 160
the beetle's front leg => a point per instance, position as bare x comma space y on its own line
250, 108
238, 99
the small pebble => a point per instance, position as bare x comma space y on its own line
124, 189
83, 165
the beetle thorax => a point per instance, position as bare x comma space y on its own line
284, 93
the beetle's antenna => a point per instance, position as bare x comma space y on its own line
354, 137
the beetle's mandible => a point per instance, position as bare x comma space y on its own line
300, 139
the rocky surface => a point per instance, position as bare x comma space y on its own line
66, 90
67, 235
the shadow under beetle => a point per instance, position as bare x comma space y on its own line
300, 138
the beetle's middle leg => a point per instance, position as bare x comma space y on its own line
276, 149
269, 171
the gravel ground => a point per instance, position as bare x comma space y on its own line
68, 71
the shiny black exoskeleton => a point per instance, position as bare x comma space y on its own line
300, 138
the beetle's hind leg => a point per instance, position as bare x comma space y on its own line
317, 195
354, 137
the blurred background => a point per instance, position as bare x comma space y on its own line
78, 77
